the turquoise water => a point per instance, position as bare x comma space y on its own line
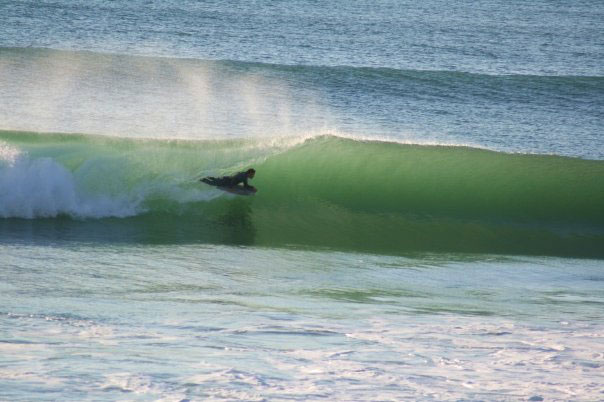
428, 223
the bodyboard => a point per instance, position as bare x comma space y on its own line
239, 190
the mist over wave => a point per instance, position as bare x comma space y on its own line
48, 90
58, 91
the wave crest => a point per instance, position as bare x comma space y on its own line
325, 191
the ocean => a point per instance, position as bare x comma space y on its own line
429, 221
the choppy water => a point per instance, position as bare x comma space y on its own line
428, 225
197, 322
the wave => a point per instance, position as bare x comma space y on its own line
322, 191
326, 71
47, 90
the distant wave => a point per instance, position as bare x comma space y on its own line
321, 70
65, 91
321, 191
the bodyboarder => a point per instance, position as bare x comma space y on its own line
232, 181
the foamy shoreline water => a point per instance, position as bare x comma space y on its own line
314, 325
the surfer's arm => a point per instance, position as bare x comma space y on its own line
245, 185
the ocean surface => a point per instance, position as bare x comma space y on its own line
429, 221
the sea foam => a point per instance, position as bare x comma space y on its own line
34, 188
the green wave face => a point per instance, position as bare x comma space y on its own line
389, 198
325, 192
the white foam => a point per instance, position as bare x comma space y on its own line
32, 188
8, 153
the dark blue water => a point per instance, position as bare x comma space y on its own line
538, 38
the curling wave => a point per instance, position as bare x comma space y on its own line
325, 191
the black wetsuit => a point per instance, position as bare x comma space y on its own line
227, 181
240, 177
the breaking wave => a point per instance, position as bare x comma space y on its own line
323, 191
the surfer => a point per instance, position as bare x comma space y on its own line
232, 181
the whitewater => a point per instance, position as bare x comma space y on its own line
428, 223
